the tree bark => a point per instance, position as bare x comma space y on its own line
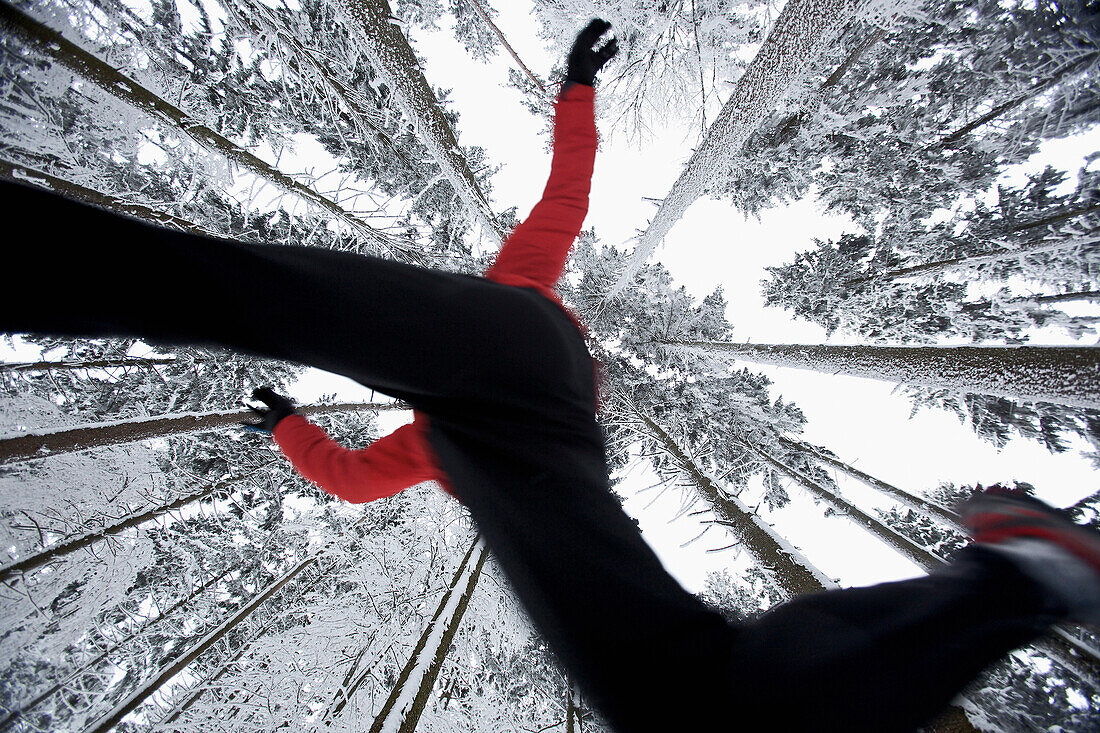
67, 547
87, 66
792, 573
917, 503
926, 560
45, 443
32, 703
147, 690
73, 365
390, 53
1067, 375
802, 32
411, 710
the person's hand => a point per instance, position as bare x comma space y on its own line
278, 407
584, 60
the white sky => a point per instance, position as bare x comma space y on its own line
714, 245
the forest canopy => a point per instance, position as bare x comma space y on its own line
161, 567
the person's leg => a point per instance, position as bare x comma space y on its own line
412, 333
651, 656
500, 371
890, 656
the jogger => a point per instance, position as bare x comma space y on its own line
533, 256
505, 379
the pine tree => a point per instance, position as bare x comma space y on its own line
1058, 374
801, 33
675, 57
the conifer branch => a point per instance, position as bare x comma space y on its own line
87, 66
390, 53
481, 13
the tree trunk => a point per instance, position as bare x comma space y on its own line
421, 669
69, 546
804, 29
394, 59
793, 574
26, 174
941, 266
917, 503
45, 443
87, 66
73, 365
1089, 295
790, 125
1067, 375
32, 703
150, 688
926, 560
476, 5
570, 709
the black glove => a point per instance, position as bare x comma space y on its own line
278, 407
584, 61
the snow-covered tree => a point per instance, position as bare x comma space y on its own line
675, 59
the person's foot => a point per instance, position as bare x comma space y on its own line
1059, 555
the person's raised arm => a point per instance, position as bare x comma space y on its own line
535, 253
384, 468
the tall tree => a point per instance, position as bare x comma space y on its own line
393, 57
1063, 374
46, 443
410, 694
789, 571
802, 31
918, 503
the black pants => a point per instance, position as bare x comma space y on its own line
506, 381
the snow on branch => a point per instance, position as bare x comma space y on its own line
383, 43
802, 32
89, 67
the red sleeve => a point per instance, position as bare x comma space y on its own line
387, 466
535, 253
